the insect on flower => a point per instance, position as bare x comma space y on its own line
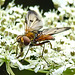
33, 35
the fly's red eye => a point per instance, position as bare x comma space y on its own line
26, 40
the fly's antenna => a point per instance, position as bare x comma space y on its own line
13, 43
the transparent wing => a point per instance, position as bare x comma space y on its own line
55, 30
32, 21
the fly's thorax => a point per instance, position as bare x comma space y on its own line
30, 35
23, 39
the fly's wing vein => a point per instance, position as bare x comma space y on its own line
32, 21
52, 31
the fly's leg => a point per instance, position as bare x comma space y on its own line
26, 53
44, 49
43, 56
50, 44
21, 53
16, 47
17, 50
42, 43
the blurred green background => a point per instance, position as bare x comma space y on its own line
17, 71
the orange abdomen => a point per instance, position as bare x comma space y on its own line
45, 37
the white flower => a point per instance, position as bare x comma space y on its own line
62, 54
36, 69
60, 70
61, 3
2, 2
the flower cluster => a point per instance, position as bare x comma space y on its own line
60, 57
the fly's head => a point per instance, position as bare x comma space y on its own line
23, 39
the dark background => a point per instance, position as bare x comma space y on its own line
46, 5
